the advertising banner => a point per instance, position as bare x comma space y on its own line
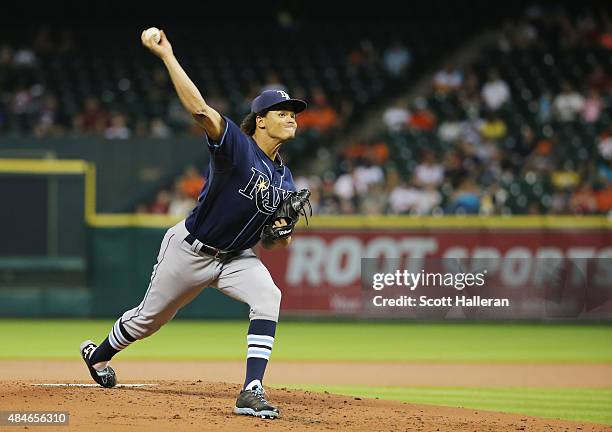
554, 273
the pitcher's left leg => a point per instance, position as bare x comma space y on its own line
248, 280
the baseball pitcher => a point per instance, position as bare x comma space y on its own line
249, 196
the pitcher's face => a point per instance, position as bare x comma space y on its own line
280, 124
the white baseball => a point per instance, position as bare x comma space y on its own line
153, 33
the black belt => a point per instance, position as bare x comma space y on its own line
211, 251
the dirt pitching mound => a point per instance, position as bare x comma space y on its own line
199, 405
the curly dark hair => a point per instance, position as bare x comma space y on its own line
248, 124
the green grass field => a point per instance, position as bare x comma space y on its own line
346, 341
450, 342
582, 404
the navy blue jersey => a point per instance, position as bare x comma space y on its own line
243, 188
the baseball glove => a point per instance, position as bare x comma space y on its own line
290, 209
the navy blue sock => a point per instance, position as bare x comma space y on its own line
260, 340
104, 352
118, 339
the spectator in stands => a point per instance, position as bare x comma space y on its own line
159, 129
25, 58
403, 198
191, 182
23, 106
375, 151
344, 186
374, 201
541, 160
470, 161
421, 119
161, 203
583, 200
487, 203
565, 177
397, 116
180, 203
493, 128
568, 104
466, 199
356, 150
118, 128
447, 80
392, 179
319, 115
469, 95
430, 199
429, 171
378, 152
454, 170
605, 38
366, 174
92, 119
603, 197
495, 91
545, 102
410, 199
604, 171
592, 107
328, 202
604, 144
397, 58
471, 105
450, 128
49, 121
560, 202
493, 199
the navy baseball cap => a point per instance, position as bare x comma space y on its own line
269, 98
